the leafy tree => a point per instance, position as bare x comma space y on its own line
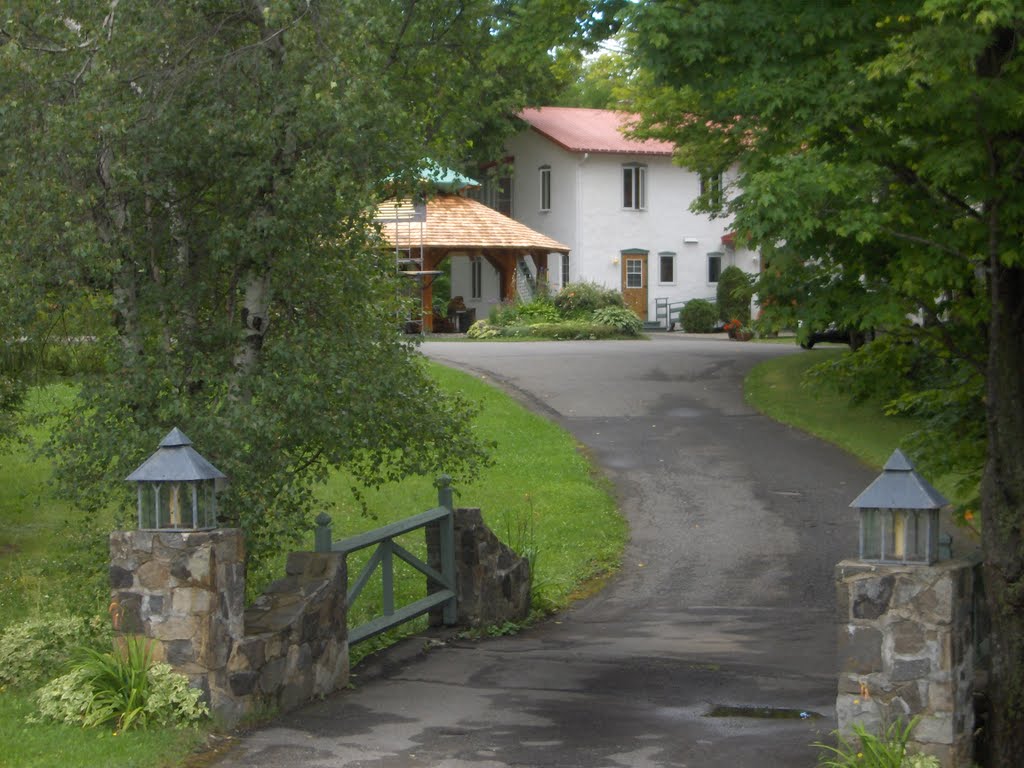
212, 168
606, 81
881, 153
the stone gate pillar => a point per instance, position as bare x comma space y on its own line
906, 649
185, 591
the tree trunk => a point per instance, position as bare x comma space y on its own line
255, 315
1002, 501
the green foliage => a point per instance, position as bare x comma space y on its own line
787, 389
698, 316
873, 751
578, 300
49, 744
121, 687
878, 164
607, 81
916, 377
38, 649
623, 320
523, 313
732, 295
569, 330
210, 180
482, 329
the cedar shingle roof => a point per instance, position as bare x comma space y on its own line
455, 222
591, 130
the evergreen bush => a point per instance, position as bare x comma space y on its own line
733, 295
698, 316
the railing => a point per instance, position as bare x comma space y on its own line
666, 312
442, 582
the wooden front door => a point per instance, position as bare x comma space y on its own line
634, 282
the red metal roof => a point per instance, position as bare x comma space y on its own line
591, 130
458, 222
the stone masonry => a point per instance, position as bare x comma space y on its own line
295, 646
185, 590
906, 649
493, 582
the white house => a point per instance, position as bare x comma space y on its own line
620, 205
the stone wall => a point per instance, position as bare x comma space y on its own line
295, 645
906, 649
186, 592
493, 582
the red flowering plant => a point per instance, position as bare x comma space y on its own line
737, 330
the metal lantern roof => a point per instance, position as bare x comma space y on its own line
899, 487
175, 459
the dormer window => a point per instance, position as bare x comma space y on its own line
634, 187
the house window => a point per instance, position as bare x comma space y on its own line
634, 273
476, 269
495, 192
714, 267
666, 267
545, 187
711, 185
634, 187
565, 269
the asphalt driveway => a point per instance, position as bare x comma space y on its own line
725, 598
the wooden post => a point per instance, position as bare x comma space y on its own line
447, 531
322, 535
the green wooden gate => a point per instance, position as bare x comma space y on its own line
443, 582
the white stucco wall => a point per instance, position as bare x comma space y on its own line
462, 284
587, 215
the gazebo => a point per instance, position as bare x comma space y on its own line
449, 224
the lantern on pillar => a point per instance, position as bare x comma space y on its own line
177, 487
899, 516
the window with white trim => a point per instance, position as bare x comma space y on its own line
565, 269
714, 267
634, 272
545, 187
634, 187
666, 267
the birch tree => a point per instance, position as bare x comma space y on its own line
211, 168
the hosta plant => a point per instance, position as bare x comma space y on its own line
122, 688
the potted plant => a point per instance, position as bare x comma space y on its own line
738, 331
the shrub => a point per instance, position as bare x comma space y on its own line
482, 329
524, 313
580, 299
733, 294
538, 311
623, 320
888, 750
573, 329
698, 316
38, 649
122, 687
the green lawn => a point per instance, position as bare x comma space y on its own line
542, 496
776, 388
61, 746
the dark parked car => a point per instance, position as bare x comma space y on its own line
852, 336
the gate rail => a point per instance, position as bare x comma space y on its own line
442, 582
